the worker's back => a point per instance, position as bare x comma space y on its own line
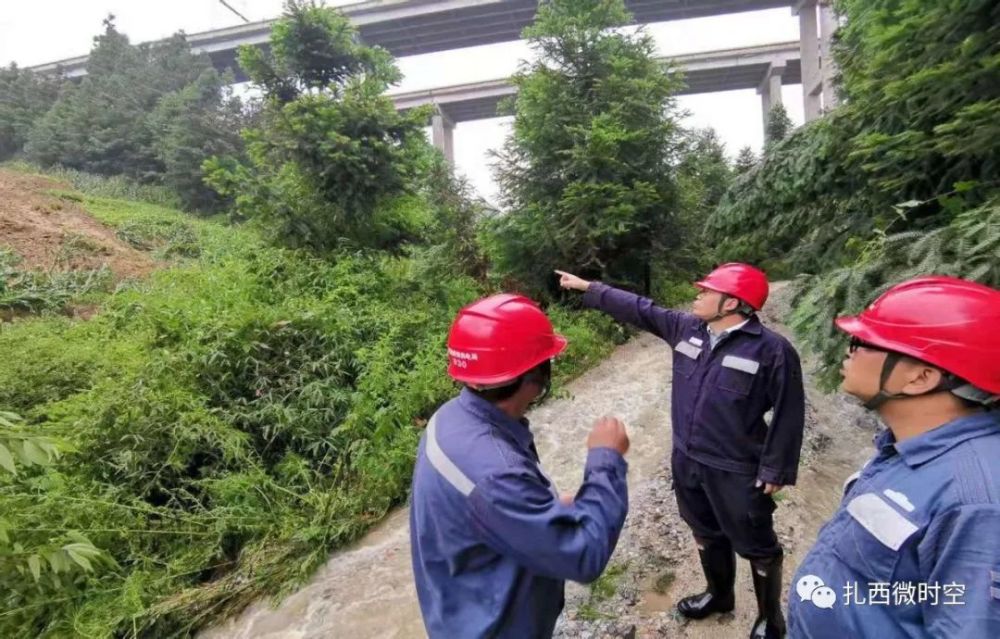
466, 587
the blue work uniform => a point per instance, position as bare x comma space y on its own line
914, 550
491, 541
721, 442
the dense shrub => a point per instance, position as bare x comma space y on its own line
227, 423
902, 179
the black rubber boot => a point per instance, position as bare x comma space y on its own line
719, 564
770, 622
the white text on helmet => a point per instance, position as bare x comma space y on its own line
463, 355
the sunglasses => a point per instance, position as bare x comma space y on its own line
856, 343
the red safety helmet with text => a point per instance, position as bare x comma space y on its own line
497, 339
742, 281
945, 321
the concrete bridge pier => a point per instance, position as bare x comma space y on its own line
443, 134
817, 22
770, 91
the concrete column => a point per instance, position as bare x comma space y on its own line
812, 79
827, 25
770, 91
442, 135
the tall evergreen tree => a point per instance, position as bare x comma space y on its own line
779, 126
331, 150
587, 174
745, 160
24, 98
189, 126
703, 163
102, 125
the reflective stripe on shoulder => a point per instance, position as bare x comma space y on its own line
442, 464
855, 475
881, 520
847, 482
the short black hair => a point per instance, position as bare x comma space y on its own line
494, 395
499, 394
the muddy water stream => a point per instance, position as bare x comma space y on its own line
367, 591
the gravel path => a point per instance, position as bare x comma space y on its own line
367, 591
656, 558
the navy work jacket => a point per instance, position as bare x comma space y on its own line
491, 541
914, 550
720, 396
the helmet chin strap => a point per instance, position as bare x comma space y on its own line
719, 314
542, 378
948, 384
889, 365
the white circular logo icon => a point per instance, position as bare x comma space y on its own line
824, 597
811, 588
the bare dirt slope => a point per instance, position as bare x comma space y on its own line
49, 231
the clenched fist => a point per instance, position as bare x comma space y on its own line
568, 280
609, 432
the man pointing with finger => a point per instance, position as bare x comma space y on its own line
492, 542
727, 460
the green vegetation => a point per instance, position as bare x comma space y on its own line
119, 187
217, 428
779, 126
24, 98
603, 588
256, 402
150, 115
31, 291
587, 175
903, 179
229, 421
745, 160
331, 162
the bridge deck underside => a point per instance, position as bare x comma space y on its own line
492, 22
481, 105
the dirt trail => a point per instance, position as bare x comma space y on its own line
660, 555
366, 591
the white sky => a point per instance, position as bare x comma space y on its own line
34, 32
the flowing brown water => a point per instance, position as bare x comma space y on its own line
366, 591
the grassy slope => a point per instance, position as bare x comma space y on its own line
235, 416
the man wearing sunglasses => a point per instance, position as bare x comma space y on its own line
727, 461
914, 550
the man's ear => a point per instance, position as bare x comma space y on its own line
731, 304
921, 378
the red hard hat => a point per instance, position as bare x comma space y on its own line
499, 338
742, 281
944, 321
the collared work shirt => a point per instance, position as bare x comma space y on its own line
914, 550
715, 339
491, 541
720, 395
